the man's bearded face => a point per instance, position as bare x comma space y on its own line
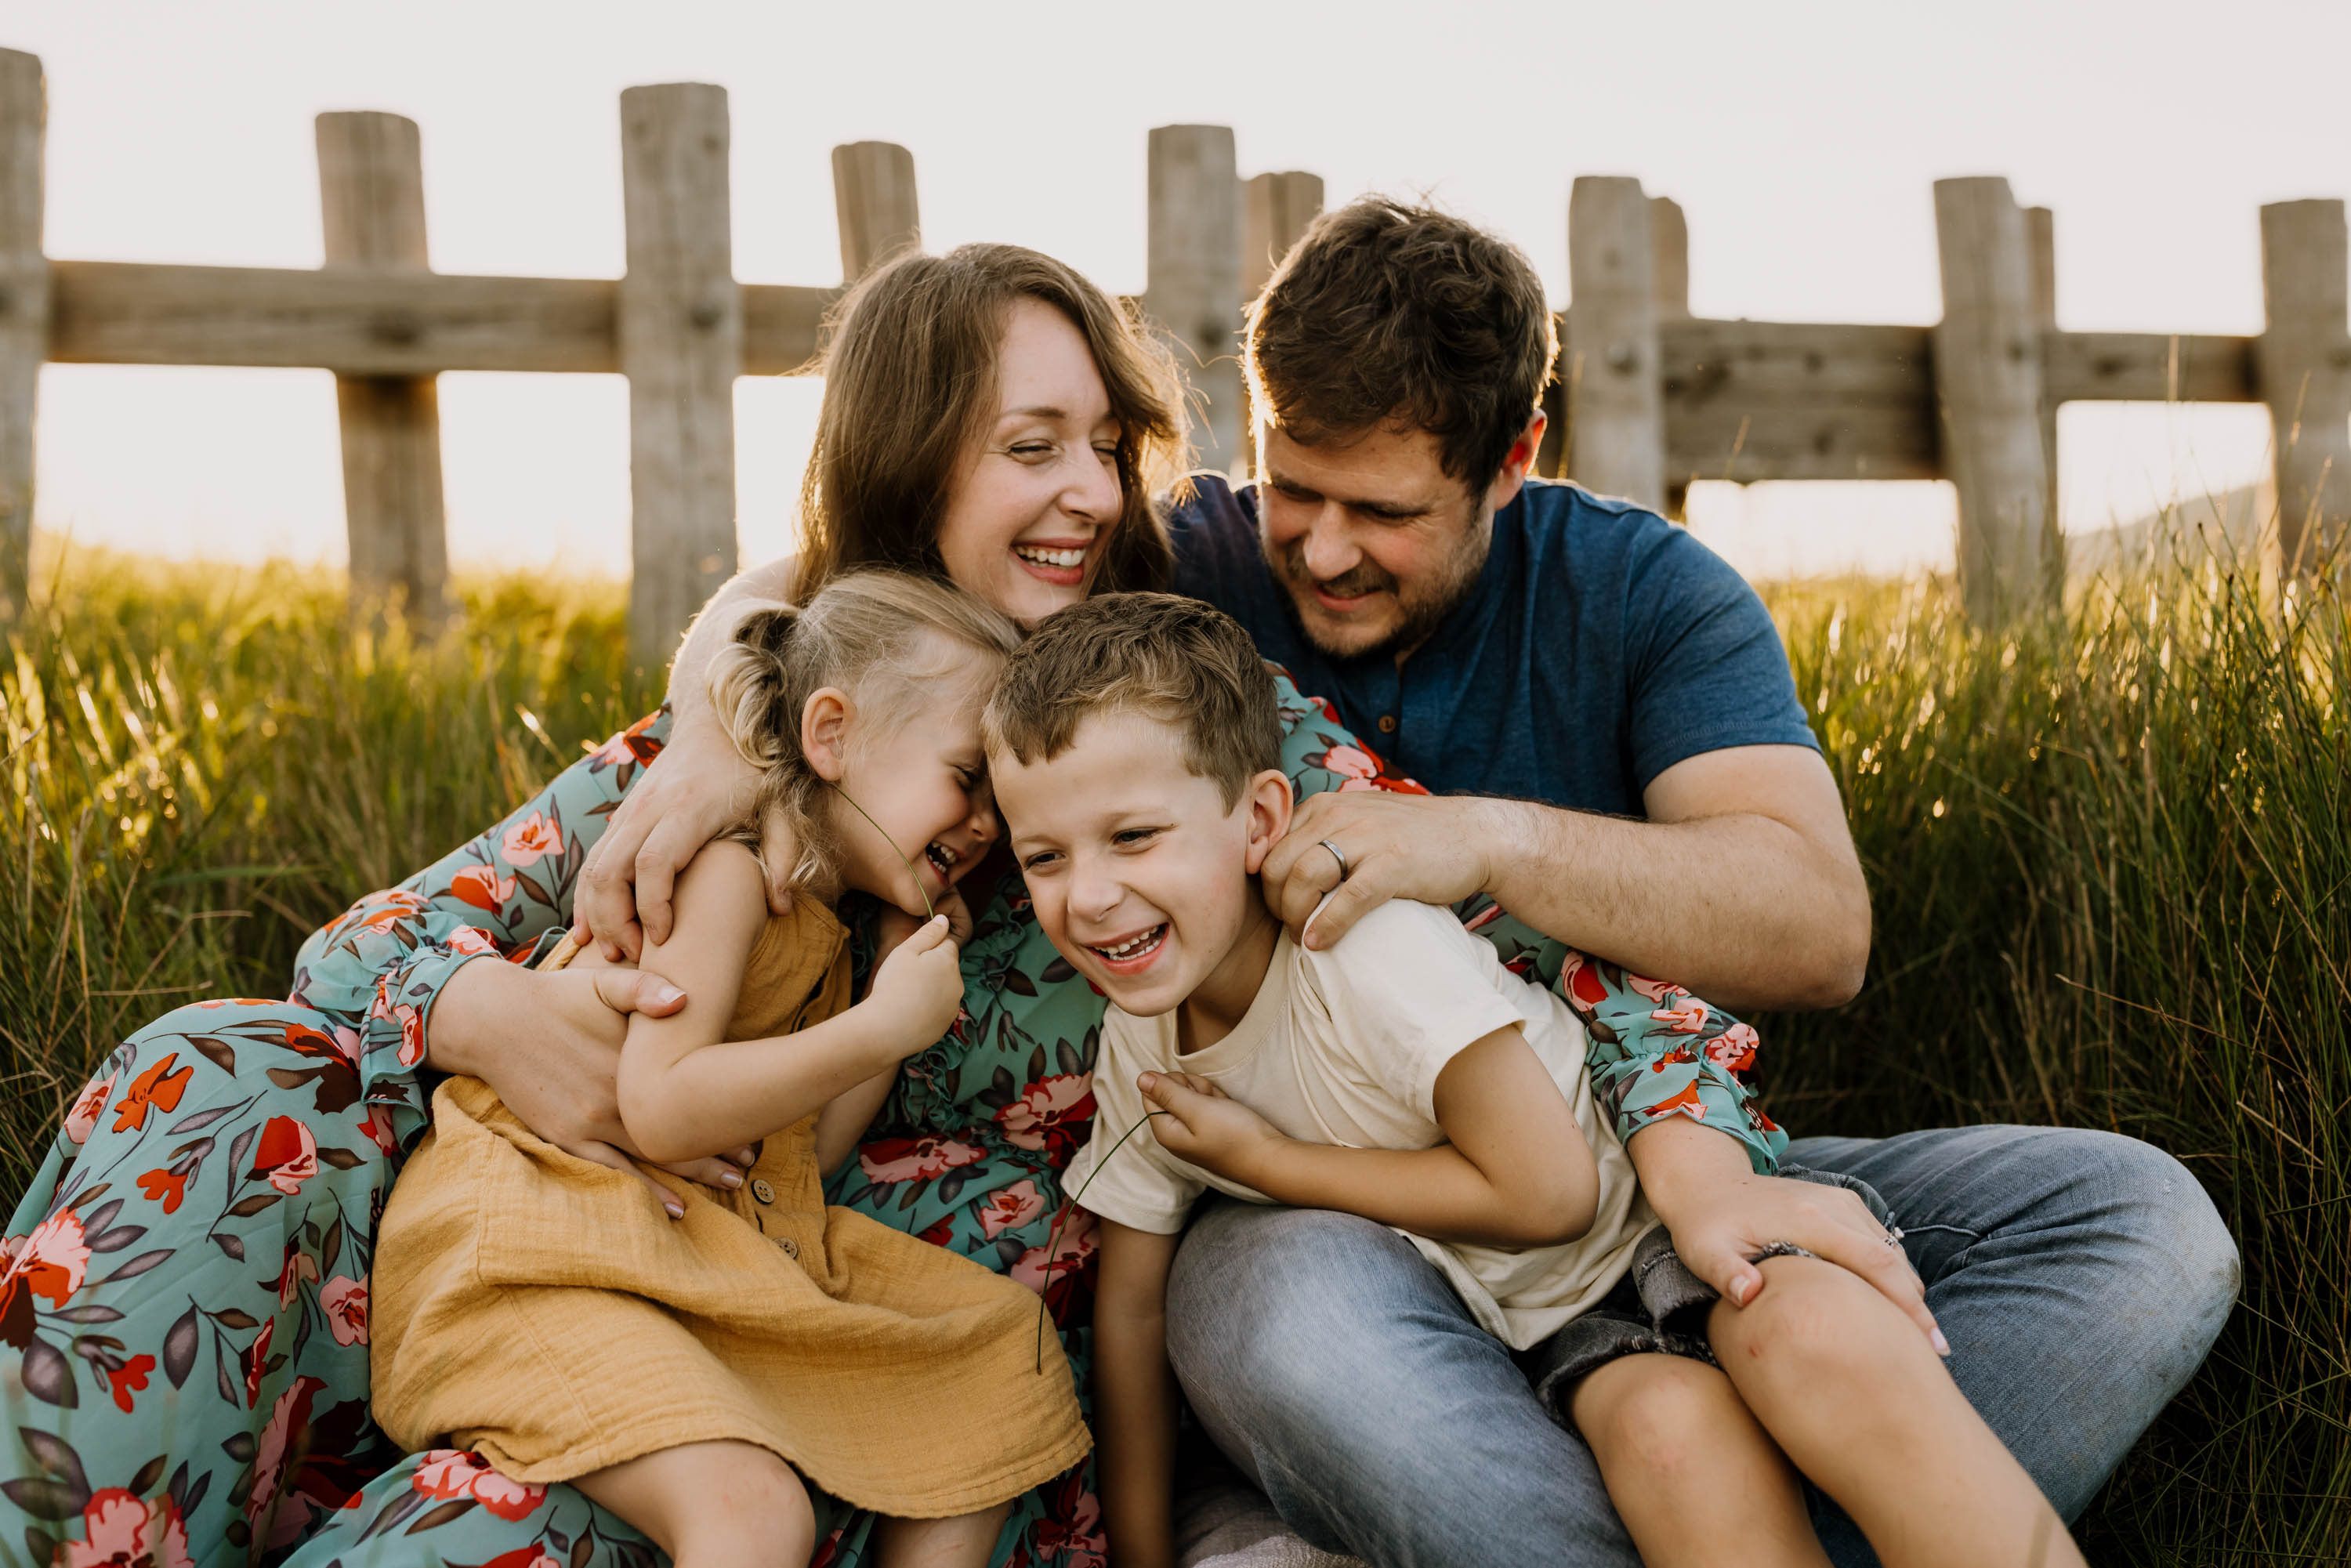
1373, 541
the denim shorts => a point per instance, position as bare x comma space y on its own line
1660, 1307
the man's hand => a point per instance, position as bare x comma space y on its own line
557, 1059
1721, 1213
1432, 849
697, 789
1204, 1127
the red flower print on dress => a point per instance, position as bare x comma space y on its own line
131, 1376
288, 1154
1070, 1533
1009, 1209
383, 913
411, 1022
913, 1159
292, 1411
452, 1473
53, 1259
82, 1119
1734, 1050
1686, 1016
170, 1185
531, 841
159, 1086
299, 1266
378, 1127
483, 887
1076, 1240
1686, 1103
1054, 1114
122, 1530
1659, 991
1580, 981
345, 1302
468, 940
257, 1360
532, 1556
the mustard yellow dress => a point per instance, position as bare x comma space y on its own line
542, 1310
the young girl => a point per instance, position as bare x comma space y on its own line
698, 1374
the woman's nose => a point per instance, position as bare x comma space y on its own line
1093, 493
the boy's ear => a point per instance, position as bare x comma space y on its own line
824, 732
1269, 804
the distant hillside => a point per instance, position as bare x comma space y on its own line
2236, 523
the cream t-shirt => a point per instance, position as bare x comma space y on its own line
1343, 1047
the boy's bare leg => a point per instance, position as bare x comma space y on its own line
712, 1505
966, 1540
1854, 1394
1695, 1479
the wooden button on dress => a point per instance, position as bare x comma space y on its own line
791, 1247
764, 1191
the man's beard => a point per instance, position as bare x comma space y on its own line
1421, 607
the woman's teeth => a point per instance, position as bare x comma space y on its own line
1134, 946
1041, 557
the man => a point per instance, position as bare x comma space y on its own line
1607, 714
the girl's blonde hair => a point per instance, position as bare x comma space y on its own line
886, 638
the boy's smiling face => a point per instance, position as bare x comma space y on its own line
1140, 874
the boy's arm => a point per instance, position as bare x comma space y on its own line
1515, 1171
684, 1089
1134, 1396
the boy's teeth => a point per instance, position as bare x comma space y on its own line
1050, 556
1130, 947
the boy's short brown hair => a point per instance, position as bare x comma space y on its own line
1167, 657
1388, 316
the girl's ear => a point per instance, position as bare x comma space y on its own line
825, 719
1269, 804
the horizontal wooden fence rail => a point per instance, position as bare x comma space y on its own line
1649, 400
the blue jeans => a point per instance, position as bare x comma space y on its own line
2081, 1276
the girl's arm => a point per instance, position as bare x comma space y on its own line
1515, 1172
1134, 1396
686, 1091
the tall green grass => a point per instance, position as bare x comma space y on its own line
2110, 852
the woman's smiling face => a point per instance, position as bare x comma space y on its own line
1035, 505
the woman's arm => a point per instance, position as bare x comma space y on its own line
1515, 1171
1135, 1395
686, 1091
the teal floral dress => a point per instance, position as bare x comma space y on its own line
185, 1298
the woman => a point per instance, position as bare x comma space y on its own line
188, 1295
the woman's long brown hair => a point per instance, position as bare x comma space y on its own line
910, 387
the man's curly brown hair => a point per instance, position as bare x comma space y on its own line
1388, 316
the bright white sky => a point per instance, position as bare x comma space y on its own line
1801, 140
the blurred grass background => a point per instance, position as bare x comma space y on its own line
2109, 851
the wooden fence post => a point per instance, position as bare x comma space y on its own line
2041, 234
1275, 212
1669, 262
24, 314
1615, 400
2304, 356
1193, 286
372, 195
1988, 379
874, 195
681, 341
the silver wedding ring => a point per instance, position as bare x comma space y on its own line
1336, 856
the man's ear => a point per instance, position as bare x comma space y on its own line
1518, 464
825, 718
1269, 804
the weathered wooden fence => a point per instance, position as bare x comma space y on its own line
1650, 397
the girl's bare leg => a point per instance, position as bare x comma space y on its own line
966, 1540
1855, 1396
1696, 1480
712, 1505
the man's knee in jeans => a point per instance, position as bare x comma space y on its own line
2137, 1190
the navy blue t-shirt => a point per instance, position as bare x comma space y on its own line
1601, 645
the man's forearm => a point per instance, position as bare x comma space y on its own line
1742, 908
689, 692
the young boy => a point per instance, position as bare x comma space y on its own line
1402, 1075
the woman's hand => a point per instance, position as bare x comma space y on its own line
1721, 1214
697, 789
553, 1055
1204, 1127
918, 989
